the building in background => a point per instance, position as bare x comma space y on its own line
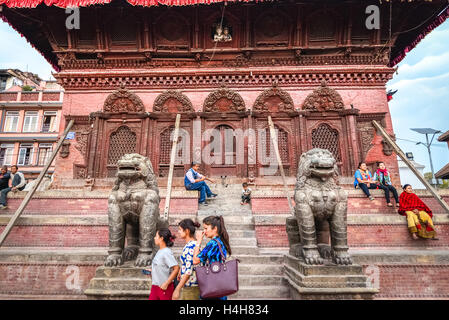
443, 173
14, 79
407, 175
29, 121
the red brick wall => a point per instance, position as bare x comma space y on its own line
413, 281
356, 205
65, 236
91, 206
360, 236
42, 279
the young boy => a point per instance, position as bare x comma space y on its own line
246, 194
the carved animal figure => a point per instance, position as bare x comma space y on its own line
133, 209
320, 205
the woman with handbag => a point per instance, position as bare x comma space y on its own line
216, 249
187, 288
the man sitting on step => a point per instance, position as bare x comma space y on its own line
18, 183
193, 180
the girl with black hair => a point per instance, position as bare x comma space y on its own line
162, 280
363, 180
214, 228
187, 289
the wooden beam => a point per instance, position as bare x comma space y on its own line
402, 155
30, 193
172, 165
278, 157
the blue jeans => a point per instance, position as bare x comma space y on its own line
3, 194
202, 187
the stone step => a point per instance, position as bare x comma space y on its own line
260, 269
239, 226
98, 255
127, 283
233, 233
261, 280
238, 242
261, 292
230, 219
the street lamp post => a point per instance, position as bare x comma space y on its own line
428, 131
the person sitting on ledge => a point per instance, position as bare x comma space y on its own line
363, 180
383, 180
195, 181
417, 212
18, 183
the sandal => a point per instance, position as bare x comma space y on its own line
389, 204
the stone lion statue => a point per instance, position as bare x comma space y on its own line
133, 210
321, 205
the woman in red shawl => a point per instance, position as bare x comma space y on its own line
417, 212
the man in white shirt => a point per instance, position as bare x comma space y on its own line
193, 180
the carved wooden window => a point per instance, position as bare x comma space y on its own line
325, 137
87, 34
322, 27
125, 32
282, 145
225, 151
359, 32
122, 141
165, 147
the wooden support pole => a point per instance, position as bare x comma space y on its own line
36, 185
278, 157
418, 174
172, 165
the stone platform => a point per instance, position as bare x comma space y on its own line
124, 282
328, 281
62, 238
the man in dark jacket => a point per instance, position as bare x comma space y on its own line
4, 178
18, 183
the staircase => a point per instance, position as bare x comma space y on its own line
260, 274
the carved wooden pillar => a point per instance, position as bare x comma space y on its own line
146, 35
196, 39
298, 29
352, 138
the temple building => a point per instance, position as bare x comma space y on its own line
317, 68
314, 66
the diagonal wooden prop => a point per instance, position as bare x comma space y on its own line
36, 185
278, 157
172, 164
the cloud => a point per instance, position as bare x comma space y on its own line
429, 64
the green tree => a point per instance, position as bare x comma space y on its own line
27, 88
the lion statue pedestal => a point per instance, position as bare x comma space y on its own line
133, 210
313, 268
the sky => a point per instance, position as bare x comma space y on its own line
422, 100
422, 81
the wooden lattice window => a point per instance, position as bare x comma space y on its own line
325, 137
122, 141
282, 145
322, 27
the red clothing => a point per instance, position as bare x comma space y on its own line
158, 294
410, 202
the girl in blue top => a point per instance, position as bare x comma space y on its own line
214, 228
363, 180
